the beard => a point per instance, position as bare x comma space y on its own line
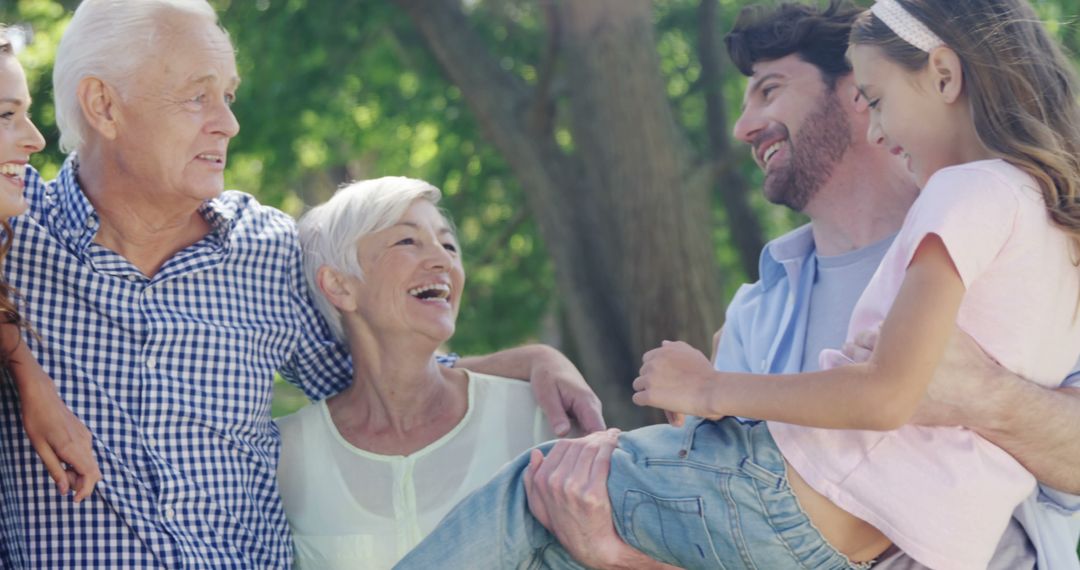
813, 153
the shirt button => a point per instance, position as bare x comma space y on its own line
170, 514
89, 222
149, 293
151, 362
133, 278
151, 442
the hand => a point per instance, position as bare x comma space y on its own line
863, 345
59, 438
561, 392
678, 419
567, 493
678, 378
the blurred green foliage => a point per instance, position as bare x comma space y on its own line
334, 91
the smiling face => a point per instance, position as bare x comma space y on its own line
413, 276
912, 115
796, 127
19, 138
174, 121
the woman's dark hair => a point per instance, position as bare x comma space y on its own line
818, 36
1021, 88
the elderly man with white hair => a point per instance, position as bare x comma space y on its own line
368, 472
165, 305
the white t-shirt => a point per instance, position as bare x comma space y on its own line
350, 508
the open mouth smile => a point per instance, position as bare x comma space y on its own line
431, 291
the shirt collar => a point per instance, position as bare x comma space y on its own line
785, 254
221, 216
79, 221
75, 218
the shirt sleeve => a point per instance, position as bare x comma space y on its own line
541, 428
319, 365
730, 350
972, 209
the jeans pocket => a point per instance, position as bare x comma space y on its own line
760, 473
669, 529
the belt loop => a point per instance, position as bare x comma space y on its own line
689, 429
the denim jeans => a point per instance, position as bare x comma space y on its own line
709, 495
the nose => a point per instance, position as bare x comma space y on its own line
31, 139
438, 258
874, 134
224, 121
748, 125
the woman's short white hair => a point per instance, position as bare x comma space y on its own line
330, 232
110, 40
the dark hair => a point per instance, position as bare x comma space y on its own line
819, 37
1021, 87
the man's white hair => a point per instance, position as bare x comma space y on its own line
330, 232
110, 40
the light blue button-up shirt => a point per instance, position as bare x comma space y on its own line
765, 333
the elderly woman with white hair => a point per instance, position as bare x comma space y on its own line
367, 473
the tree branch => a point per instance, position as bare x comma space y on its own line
542, 115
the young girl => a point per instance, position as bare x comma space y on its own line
57, 435
982, 106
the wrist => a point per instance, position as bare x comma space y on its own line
25, 382
630, 558
717, 395
542, 355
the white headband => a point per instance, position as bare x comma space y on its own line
906, 26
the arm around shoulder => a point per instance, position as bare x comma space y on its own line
560, 389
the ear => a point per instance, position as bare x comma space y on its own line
98, 102
335, 287
947, 73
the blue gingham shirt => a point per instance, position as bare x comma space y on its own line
173, 374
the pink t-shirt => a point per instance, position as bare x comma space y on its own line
945, 495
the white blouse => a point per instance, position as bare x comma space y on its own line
350, 508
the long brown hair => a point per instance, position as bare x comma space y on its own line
1021, 87
9, 308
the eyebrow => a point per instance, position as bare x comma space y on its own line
442, 230
755, 84
234, 82
13, 100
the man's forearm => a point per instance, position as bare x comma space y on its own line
558, 386
1037, 426
510, 363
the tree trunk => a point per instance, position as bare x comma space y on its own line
743, 225
629, 237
